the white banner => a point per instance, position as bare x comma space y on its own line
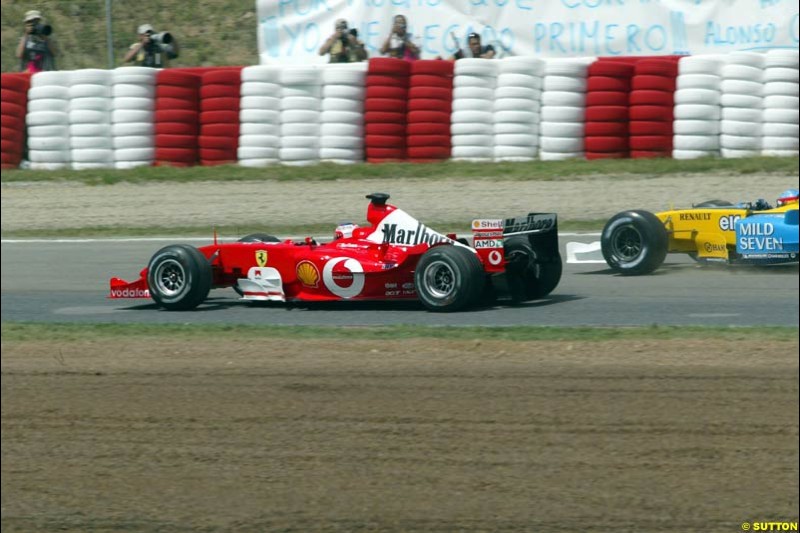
291, 31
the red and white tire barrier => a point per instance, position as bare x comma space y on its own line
342, 116
606, 133
12, 118
301, 106
177, 113
90, 133
385, 108
697, 113
651, 107
563, 109
47, 120
779, 126
430, 98
259, 116
219, 116
132, 116
472, 118
516, 109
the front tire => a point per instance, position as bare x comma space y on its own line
179, 277
449, 278
634, 243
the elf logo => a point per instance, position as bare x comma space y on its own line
728, 222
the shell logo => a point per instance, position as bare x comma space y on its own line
476, 224
308, 274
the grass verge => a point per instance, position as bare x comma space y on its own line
23, 331
534, 170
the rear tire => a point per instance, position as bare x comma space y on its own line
634, 243
449, 278
529, 276
179, 277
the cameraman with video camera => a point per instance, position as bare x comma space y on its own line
343, 45
153, 49
36, 50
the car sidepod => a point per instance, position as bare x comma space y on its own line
768, 238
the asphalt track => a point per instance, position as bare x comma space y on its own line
67, 281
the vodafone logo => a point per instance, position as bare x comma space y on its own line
495, 257
343, 276
130, 293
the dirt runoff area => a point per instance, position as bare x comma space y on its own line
402, 435
57, 205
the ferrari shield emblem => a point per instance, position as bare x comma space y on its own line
261, 258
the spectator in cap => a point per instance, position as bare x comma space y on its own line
36, 49
474, 48
153, 49
343, 45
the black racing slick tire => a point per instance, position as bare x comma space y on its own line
634, 243
531, 275
259, 237
449, 278
179, 277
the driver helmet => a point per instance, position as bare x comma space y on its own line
787, 197
344, 230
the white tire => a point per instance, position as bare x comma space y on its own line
298, 154
525, 117
741, 115
259, 116
342, 104
92, 166
49, 156
92, 155
476, 93
257, 152
695, 142
562, 129
751, 59
697, 112
53, 77
259, 141
91, 131
521, 65
781, 74
506, 152
781, 88
693, 154
48, 131
472, 152
311, 91
699, 81
519, 80
563, 114
476, 67
472, 104
303, 75
697, 96
782, 116
91, 76
132, 102
518, 92
568, 67
474, 81
560, 156
343, 142
740, 142
748, 88
258, 88
80, 143
565, 84
336, 129
729, 153
517, 128
300, 129
741, 100
133, 141
94, 103
259, 102
304, 103
781, 102
343, 91
699, 65
258, 163
48, 91
468, 117
130, 115
299, 141
742, 72
341, 154
90, 91
563, 98
340, 76
47, 143
262, 74
777, 129
127, 165
780, 143
471, 128
48, 104
695, 127
341, 117
46, 118
135, 71
300, 115
516, 139
123, 129
782, 58
779, 153
89, 116
35, 165
134, 154
252, 128
133, 79
125, 90
561, 144
472, 140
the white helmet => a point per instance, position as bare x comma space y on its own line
344, 230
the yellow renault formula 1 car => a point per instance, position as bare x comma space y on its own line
636, 242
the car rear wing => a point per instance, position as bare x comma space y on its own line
488, 235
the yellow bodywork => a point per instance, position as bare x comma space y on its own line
708, 232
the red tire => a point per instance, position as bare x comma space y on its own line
388, 65
607, 113
393, 105
442, 117
176, 141
606, 129
8, 134
658, 67
7, 146
384, 91
12, 109
428, 128
384, 116
607, 83
428, 80
591, 156
173, 76
12, 122
164, 104
651, 142
220, 130
223, 77
384, 141
218, 142
384, 80
428, 152
178, 155
217, 91
15, 97
437, 93
651, 112
606, 144
215, 154
650, 154
176, 115
651, 82
222, 103
15, 82
10, 160
381, 128
428, 140
436, 67
219, 117
596, 98
177, 128
173, 91
650, 127
611, 69
397, 154
429, 104
646, 97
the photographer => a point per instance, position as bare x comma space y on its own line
153, 49
36, 50
474, 49
399, 43
343, 45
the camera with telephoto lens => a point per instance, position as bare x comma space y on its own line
160, 38
42, 29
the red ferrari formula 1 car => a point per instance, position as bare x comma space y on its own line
395, 258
